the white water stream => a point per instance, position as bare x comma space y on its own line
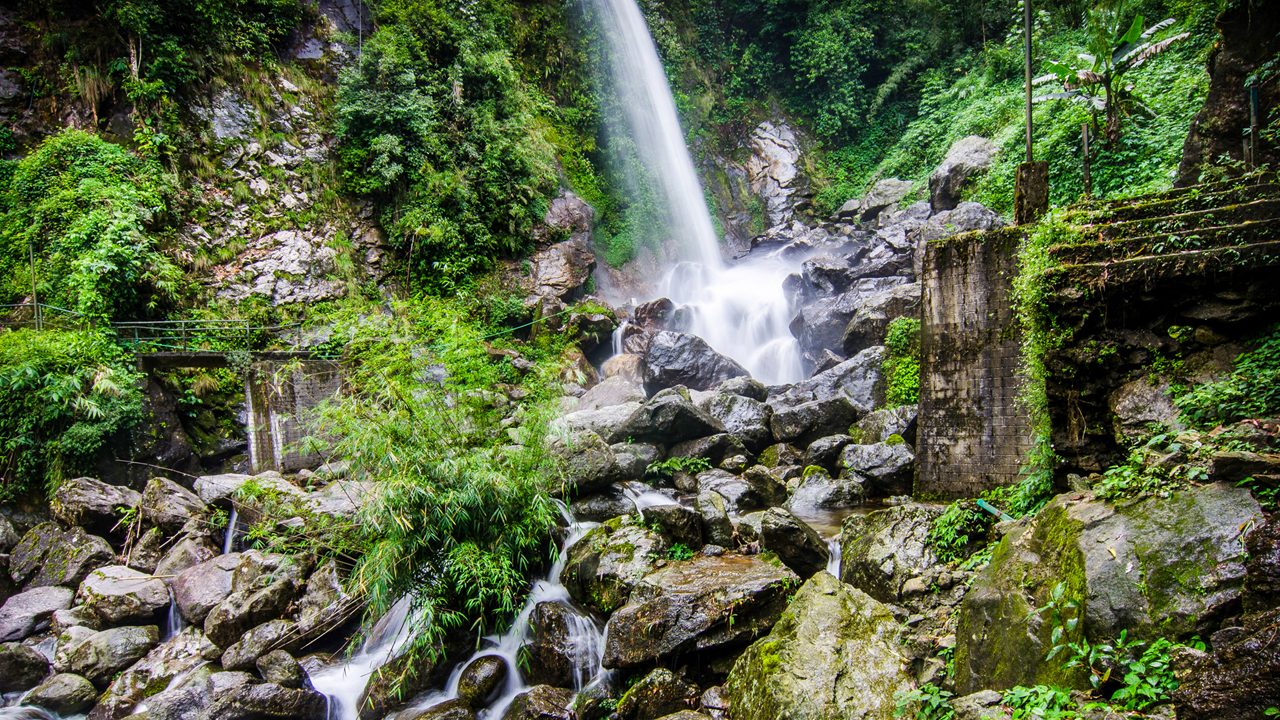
739, 309
344, 683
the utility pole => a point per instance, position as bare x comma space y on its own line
1031, 188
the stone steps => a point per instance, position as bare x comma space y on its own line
1154, 269
1177, 202
1239, 234
1260, 209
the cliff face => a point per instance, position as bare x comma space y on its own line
1250, 36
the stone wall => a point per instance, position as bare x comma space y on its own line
972, 435
280, 399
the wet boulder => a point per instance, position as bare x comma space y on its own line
818, 490
551, 652
867, 326
717, 528
657, 694
880, 425
882, 550
966, 158
1167, 567
200, 588
116, 595
677, 523
252, 645
858, 380
884, 194
825, 452
94, 505
324, 605
447, 710
561, 270
588, 463
966, 217
268, 701
667, 418
541, 702
1262, 582
738, 494
8, 536
609, 503
708, 603
482, 680
188, 552
21, 667
797, 545
280, 668
713, 448
29, 612
175, 657
64, 694
262, 586
807, 421
888, 467
168, 505
52, 555
99, 656
147, 551
674, 358
834, 653
1239, 678
745, 417
607, 562
611, 391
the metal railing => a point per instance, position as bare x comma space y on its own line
138, 335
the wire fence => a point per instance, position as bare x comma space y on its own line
141, 335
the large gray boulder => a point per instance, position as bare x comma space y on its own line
541, 702
743, 416
797, 545
888, 467
253, 644
21, 667
709, 603
99, 656
820, 325
588, 463
262, 587
740, 492
604, 566
29, 612
886, 193
884, 549
64, 694
176, 657
481, 680
267, 701
168, 505
966, 217
880, 425
966, 158
188, 552
117, 595
806, 421
1239, 678
834, 654
200, 588
867, 326
611, 391
667, 418
1157, 567
93, 504
819, 490
674, 358
602, 422
717, 528
561, 270
52, 555
858, 380
657, 695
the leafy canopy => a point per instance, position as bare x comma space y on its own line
90, 210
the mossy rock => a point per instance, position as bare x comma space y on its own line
608, 561
1155, 567
834, 654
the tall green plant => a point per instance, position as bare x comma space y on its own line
1116, 46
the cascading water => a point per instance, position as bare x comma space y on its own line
229, 538
174, 623
585, 637
343, 684
740, 309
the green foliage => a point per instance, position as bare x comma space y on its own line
63, 395
461, 512
1115, 47
435, 123
927, 702
902, 361
679, 551
1252, 390
91, 210
957, 530
666, 469
1040, 702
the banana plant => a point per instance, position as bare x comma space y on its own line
1098, 78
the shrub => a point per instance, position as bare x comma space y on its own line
1252, 390
927, 702
902, 361
63, 395
91, 210
666, 469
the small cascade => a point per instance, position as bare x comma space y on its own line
586, 637
644, 497
343, 684
620, 335
174, 624
834, 552
229, 538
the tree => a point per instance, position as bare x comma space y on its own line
1115, 49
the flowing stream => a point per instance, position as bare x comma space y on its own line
740, 309
585, 637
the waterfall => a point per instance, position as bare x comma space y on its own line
651, 118
344, 683
585, 637
835, 551
740, 309
229, 537
174, 624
